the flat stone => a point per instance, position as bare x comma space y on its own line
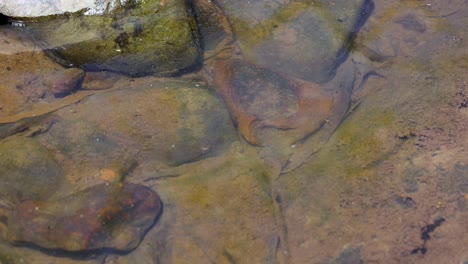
106, 216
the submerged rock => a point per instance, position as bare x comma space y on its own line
288, 117
260, 99
105, 216
136, 38
278, 103
306, 39
28, 76
27, 170
160, 121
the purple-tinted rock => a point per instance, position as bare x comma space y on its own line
64, 82
112, 216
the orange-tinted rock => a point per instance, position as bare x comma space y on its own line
112, 216
259, 98
28, 76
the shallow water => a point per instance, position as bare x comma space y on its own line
299, 133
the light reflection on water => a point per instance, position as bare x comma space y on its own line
288, 132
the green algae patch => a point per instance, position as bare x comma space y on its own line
226, 204
366, 137
363, 142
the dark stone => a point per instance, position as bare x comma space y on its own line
425, 235
412, 23
350, 255
106, 216
3, 20
405, 202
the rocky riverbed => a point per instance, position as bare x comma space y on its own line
266, 132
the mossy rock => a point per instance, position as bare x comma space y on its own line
27, 170
143, 38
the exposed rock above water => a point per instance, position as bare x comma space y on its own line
42, 8
34, 8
